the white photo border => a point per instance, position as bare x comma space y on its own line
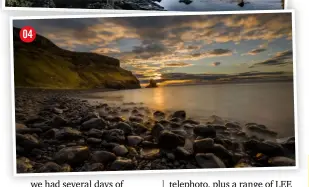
155, 171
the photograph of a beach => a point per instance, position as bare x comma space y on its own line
151, 5
154, 93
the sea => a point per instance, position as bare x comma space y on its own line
270, 104
220, 5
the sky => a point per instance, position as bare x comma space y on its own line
183, 49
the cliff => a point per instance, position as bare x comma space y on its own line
42, 64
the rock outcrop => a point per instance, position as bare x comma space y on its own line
152, 84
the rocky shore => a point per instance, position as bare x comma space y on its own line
89, 4
57, 132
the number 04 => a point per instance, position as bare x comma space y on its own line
27, 34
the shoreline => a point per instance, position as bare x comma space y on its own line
110, 89
57, 133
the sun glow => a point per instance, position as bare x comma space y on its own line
157, 76
175, 82
158, 98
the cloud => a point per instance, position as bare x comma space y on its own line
256, 51
281, 58
168, 30
216, 64
193, 47
152, 45
165, 56
106, 50
149, 48
147, 51
178, 64
219, 52
213, 53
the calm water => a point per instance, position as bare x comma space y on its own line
270, 104
219, 5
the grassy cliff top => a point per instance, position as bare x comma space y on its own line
42, 64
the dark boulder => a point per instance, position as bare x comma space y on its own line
206, 131
93, 167
68, 133
109, 145
127, 129
221, 152
103, 157
149, 144
203, 145
90, 116
232, 126
281, 161
132, 152
190, 122
163, 122
215, 120
66, 168
114, 135
139, 128
260, 129
51, 133
43, 126
156, 130
24, 165
136, 119
122, 164
289, 144
180, 132
175, 124
36, 119
58, 121
182, 153
150, 153
114, 119
134, 140
94, 140
27, 141
57, 110
159, 115
209, 160
20, 126
72, 155
49, 167
181, 114
170, 140
120, 150
96, 123
266, 147
95, 133
29, 131
219, 127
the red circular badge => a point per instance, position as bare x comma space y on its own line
27, 34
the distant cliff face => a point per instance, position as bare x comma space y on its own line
42, 64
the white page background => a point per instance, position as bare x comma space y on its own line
299, 176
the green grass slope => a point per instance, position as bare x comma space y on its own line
42, 64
